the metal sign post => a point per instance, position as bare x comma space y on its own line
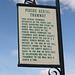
40, 37
61, 43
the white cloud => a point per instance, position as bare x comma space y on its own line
63, 9
44, 72
19, 1
69, 3
22, 1
45, 0
14, 52
70, 71
65, 3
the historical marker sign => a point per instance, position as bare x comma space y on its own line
38, 36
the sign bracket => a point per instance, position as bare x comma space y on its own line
30, 2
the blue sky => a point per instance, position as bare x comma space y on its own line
8, 37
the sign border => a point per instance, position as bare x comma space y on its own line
60, 46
